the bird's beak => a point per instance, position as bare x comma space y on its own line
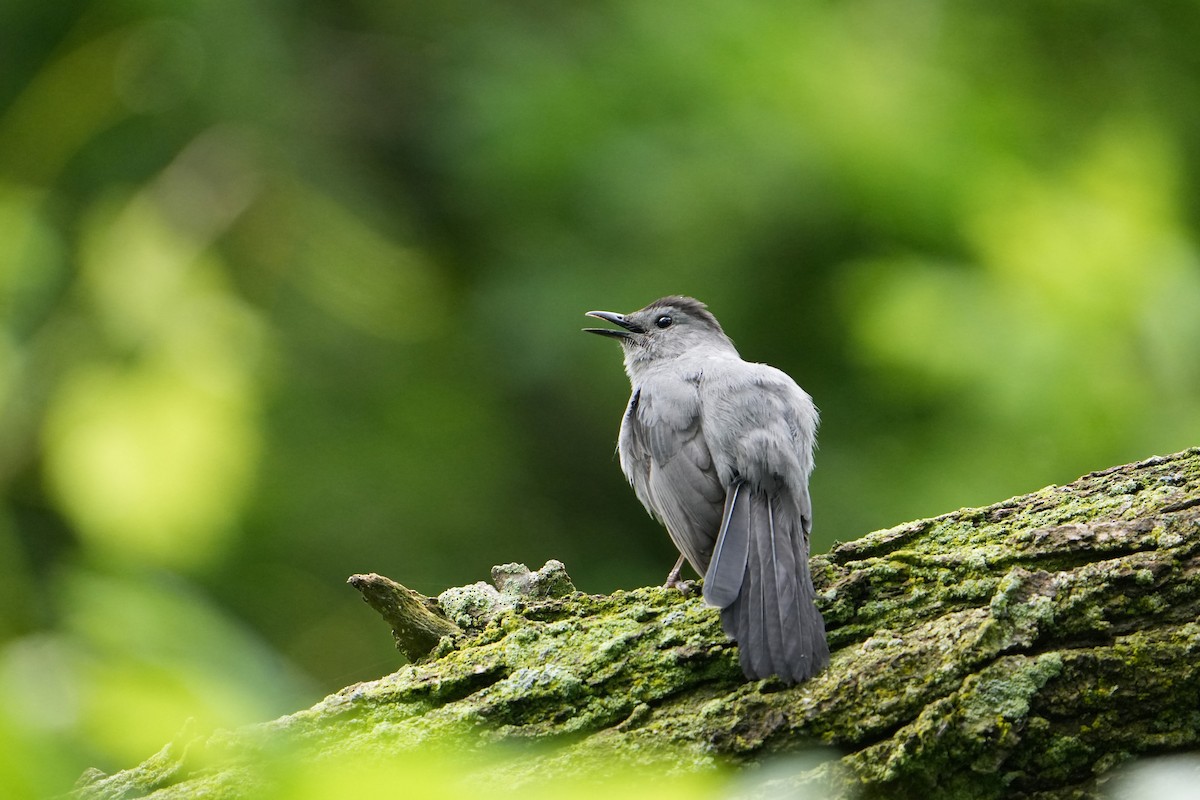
630, 328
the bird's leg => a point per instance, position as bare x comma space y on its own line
673, 581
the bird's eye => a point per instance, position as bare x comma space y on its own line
663, 321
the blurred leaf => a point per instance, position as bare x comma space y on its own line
154, 650
60, 110
350, 270
150, 463
154, 457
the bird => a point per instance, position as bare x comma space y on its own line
720, 450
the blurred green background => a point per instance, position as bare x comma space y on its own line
293, 290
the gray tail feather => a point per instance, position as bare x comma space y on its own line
774, 620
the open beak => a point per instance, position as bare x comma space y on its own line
630, 328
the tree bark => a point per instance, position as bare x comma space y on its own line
1025, 649
418, 624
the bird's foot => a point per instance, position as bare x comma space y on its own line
675, 582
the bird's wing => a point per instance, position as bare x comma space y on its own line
761, 428
665, 456
634, 452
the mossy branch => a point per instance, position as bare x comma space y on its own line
418, 624
1024, 649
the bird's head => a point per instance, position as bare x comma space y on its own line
668, 328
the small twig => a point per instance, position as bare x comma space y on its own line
417, 622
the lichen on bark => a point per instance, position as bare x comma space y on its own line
1024, 649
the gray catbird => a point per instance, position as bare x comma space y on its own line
719, 450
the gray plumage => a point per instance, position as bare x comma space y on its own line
719, 450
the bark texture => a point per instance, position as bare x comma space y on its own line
1024, 649
418, 623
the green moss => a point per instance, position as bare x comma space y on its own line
472, 606
1004, 651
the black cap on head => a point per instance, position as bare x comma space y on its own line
688, 305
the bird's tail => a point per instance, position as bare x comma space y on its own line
778, 628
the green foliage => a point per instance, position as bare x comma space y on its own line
292, 291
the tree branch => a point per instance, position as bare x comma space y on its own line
1024, 649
